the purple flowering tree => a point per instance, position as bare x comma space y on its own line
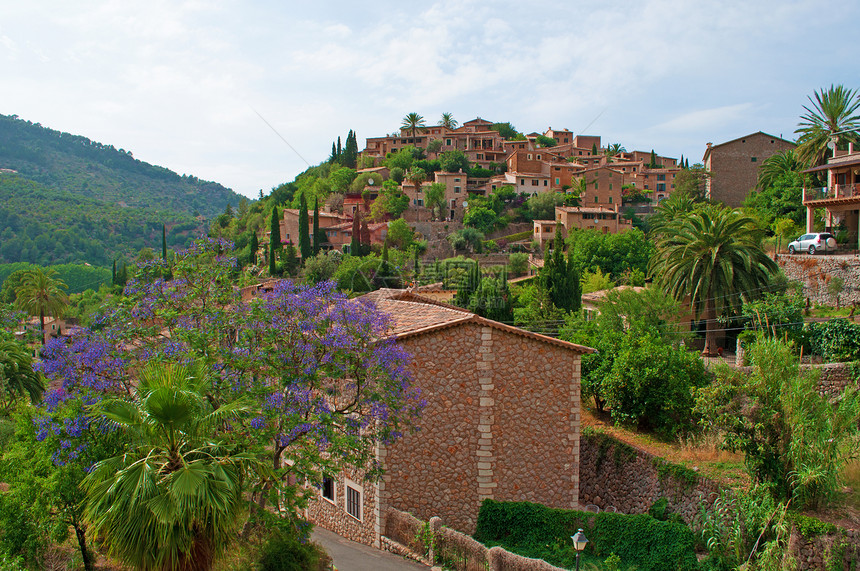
325, 386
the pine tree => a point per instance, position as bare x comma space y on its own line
355, 243
304, 230
163, 243
316, 226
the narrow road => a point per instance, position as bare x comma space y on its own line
351, 556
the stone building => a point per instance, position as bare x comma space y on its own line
840, 199
734, 165
502, 421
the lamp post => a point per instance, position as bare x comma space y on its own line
579, 541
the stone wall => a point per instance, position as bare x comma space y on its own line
816, 273
615, 475
839, 550
333, 515
502, 422
833, 378
452, 549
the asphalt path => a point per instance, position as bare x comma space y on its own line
351, 556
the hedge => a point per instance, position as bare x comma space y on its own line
538, 531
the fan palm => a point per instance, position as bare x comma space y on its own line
614, 149
412, 121
776, 166
448, 121
832, 114
174, 499
713, 256
41, 294
17, 377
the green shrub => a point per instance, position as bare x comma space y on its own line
537, 531
284, 552
835, 340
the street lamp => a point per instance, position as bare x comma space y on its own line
579, 541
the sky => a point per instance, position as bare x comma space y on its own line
249, 93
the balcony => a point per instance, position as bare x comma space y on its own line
836, 191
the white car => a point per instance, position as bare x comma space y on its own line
821, 241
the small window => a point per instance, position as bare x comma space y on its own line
595, 199
456, 190
754, 159
448, 142
522, 182
535, 182
420, 202
546, 183
456, 180
610, 186
530, 156
557, 180
353, 502
328, 488
538, 157
610, 200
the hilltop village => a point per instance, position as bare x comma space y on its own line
464, 346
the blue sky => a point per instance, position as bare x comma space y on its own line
180, 83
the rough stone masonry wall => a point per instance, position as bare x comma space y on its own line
333, 516
502, 422
816, 273
631, 480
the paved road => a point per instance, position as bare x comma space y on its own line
351, 556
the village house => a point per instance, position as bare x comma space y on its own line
734, 165
502, 421
840, 199
606, 220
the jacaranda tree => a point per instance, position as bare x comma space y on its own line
319, 383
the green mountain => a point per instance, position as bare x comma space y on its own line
46, 226
86, 168
66, 199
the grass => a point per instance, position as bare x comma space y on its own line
827, 311
699, 453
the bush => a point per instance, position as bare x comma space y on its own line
835, 340
283, 552
518, 263
536, 531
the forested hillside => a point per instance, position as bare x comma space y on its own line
85, 168
46, 226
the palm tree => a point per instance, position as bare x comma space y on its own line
41, 294
669, 212
448, 121
614, 149
832, 114
17, 377
776, 166
713, 256
412, 121
174, 499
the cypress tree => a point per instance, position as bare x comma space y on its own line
593, 149
355, 243
339, 151
275, 227
681, 162
687, 164
113, 274
653, 164
273, 266
291, 261
333, 157
254, 246
350, 150
364, 238
416, 266
163, 243
304, 231
316, 226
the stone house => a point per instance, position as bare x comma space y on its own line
502, 421
840, 199
734, 165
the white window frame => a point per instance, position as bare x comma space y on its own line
351, 490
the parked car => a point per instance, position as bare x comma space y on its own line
815, 242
